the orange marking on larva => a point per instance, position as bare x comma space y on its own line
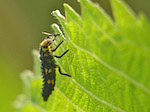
50, 70
45, 55
52, 81
49, 81
46, 71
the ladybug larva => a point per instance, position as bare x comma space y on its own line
48, 64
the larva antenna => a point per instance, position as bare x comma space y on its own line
49, 35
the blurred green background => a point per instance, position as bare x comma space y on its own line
21, 24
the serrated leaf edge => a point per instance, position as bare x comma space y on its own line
122, 74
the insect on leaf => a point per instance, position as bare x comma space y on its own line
109, 61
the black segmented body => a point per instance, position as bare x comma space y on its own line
48, 65
48, 62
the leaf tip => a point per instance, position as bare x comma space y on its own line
26, 75
57, 14
65, 5
57, 29
35, 52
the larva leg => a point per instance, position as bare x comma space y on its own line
63, 73
62, 54
57, 46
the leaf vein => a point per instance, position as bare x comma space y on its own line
97, 98
77, 107
94, 96
122, 74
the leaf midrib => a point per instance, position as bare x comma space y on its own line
92, 94
120, 73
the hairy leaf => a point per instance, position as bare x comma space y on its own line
109, 61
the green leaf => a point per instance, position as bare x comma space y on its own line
109, 62
36, 67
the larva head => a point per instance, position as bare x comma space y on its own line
46, 43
